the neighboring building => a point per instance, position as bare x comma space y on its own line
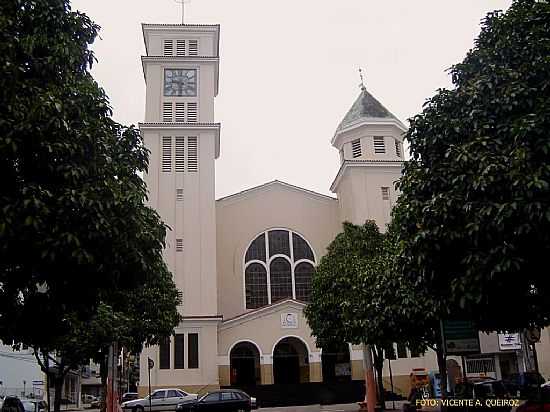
20, 373
244, 262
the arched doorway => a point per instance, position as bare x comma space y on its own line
335, 361
245, 364
290, 361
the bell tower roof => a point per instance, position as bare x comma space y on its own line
366, 108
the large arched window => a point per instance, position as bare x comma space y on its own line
278, 265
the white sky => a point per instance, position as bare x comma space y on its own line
289, 71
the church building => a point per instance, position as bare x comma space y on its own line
244, 262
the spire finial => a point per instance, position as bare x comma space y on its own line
362, 85
182, 2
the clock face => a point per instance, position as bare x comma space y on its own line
180, 82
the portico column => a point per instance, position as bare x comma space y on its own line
315, 367
266, 368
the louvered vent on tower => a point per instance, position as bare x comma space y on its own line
192, 154
180, 47
397, 148
167, 112
179, 195
180, 153
356, 148
180, 112
385, 192
193, 47
192, 112
166, 154
179, 245
168, 47
379, 145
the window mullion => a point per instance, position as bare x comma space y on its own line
267, 268
292, 264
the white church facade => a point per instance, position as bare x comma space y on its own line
244, 262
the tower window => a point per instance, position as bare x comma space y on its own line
179, 195
180, 112
356, 148
192, 154
385, 193
180, 47
166, 154
167, 112
179, 245
379, 145
168, 47
193, 47
397, 148
180, 153
192, 112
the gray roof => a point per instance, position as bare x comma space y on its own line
365, 107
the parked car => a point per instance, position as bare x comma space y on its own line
88, 398
541, 403
96, 404
161, 400
525, 384
226, 400
34, 405
12, 404
483, 390
129, 396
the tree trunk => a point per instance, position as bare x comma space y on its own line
103, 371
58, 390
442, 364
379, 366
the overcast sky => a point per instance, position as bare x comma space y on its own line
289, 71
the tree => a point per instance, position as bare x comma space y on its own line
356, 296
474, 210
74, 229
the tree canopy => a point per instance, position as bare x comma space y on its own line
474, 212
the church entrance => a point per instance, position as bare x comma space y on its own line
335, 361
290, 362
245, 364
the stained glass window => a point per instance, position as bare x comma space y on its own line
256, 286
281, 279
302, 278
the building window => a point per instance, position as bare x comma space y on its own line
166, 154
180, 47
256, 286
401, 350
193, 47
385, 193
192, 154
179, 351
193, 350
356, 148
379, 145
179, 245
302, 277
281, 279
279, 264
180, 154
397, 148
168, 47
164, 354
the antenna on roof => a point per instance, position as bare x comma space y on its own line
182, 2
362, 85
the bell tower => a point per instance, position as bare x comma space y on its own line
370, 142
181, 71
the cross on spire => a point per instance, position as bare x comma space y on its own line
182, 2
362, 85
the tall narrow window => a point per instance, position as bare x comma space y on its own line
192, 154
180, 112
167, 112
179, 351
193, 348
180, 47
192, 112
281, 279
180, 153
166, 154
356, 148
193, 47
168, 47
302, 278
379, 145
164, 354
385, 193
179, 245
397, 148
256, 286
179, 195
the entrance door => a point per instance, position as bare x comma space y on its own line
245, 364
290, 362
